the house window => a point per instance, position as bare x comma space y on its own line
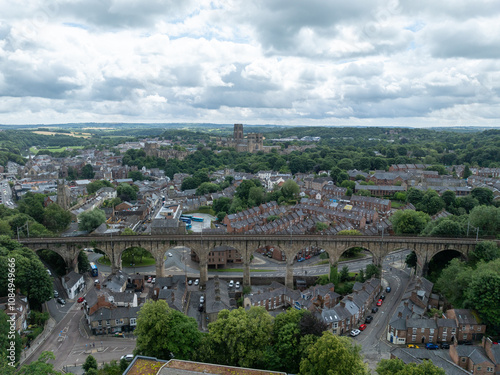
463, 328
118, 321
414, 331
453, 331
431, 338
490, 369
99, 324
444, 330
108, 322
464, 359
414, 338
422, 330
431, 331
336, 325
465, 337
132, 321
478, 368
479, 329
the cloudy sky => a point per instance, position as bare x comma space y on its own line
296, 62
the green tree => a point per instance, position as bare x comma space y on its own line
290, 189
40, 366
55, 218
321, 226
487, 219
411, 260
334, 274
482, 294
414, 196
87, 171
243, 190
89, 363
83, 262
32, 205
398, 367
5, 228
127, 192
221, 204
454, 280
409, 221
467, 171
431, 202
449, 198
483, 195
128, 232
162, 332
136, 175
372, 271
485, 251
344, 274
256, 195
96, 185
240, 337
90, 220
206, 188
333, 355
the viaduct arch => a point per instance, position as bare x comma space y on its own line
424, 247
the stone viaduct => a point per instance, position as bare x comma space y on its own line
424, 247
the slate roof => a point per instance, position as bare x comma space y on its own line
438, 358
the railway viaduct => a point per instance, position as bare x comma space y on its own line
424, 247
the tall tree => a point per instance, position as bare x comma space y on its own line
240, 337
335, 355
409, 221
398, 367
40, 366
162, 332
90, 220
55, 218
87, 171
90, 362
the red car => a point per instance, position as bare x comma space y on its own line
81, 299
362, 327
379, 302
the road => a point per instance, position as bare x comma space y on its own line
372, 339
180, 262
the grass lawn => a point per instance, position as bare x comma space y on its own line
34, 150
126, 261
397, 204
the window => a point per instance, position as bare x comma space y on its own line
414, 331
453, 331
335, 325
479, 328
431, 338
422, 330
108, 322
118, 321
478, 368
445, 329
132, 321
464, 359
414, 338
463, 328
465, 337
99, 324
490, 369
432, 331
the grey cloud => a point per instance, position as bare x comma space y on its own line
115, 89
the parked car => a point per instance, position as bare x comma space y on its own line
308, 257
190, 282
375, 309
61, 301
150, 279
197, 282
412, 346
200, 307
362, 327
445, 345
382, 297
50, 273
379, 302
56, 293
467, 343
300, 260
237, 286
119, 334
128, 357
153, 280
81, 299
231, 283
170, 254
388, 289
202, 299
431, 346
355, 332
368, 319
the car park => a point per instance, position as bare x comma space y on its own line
61, 301
355, 332
388, 289
197, 282
362, 327
375, 309
237, 286
368, 319
80, 300
379, 302
445, 345
431, 346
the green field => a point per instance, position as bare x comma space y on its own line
34, 150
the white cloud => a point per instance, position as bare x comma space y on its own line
371, 62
